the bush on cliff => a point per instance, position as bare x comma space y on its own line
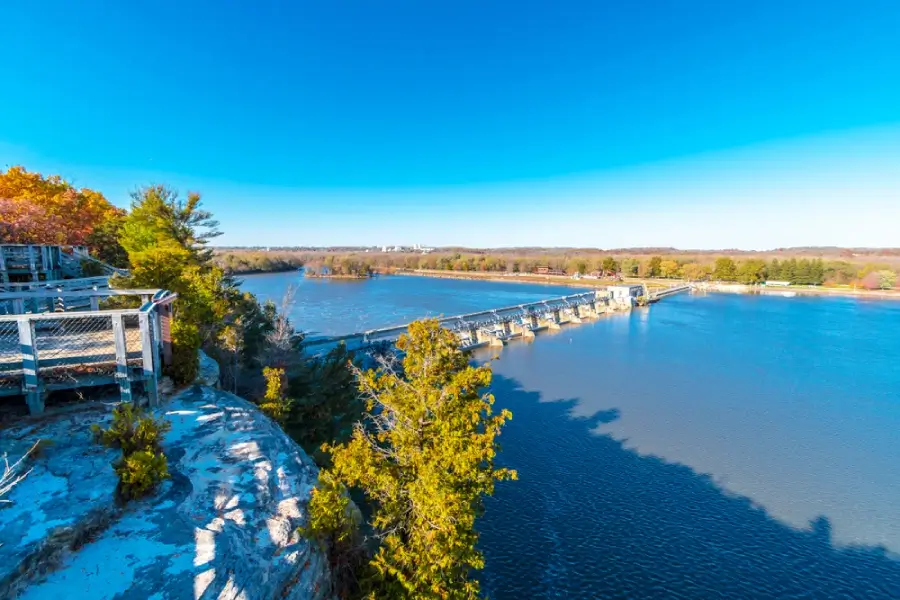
138, 435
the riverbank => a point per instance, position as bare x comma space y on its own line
351, 277
561, 280
654, 284
739, 288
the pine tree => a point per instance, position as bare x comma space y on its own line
424, 462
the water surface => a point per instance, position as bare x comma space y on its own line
714, 446
708, 447
336, 306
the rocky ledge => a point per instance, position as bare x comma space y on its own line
224, 525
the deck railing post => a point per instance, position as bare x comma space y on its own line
147, 354
118, 328
4, 276
32, 383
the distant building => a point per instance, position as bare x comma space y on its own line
625, 293
778, 283
546, 270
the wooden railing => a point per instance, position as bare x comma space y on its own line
41, 352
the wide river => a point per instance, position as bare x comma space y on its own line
711, 446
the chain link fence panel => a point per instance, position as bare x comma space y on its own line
73, 348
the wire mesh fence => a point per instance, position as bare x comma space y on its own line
45, 351
133, 345
72, 348
10, 356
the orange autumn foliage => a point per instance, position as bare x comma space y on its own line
39, 209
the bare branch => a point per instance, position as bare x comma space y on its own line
11, 473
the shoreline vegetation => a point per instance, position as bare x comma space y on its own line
868, 269
655, 284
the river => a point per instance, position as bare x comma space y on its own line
711, 446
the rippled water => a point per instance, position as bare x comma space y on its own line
334, 306
708, 447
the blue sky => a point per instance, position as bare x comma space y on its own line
701, 124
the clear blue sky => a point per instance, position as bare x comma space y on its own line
697, 124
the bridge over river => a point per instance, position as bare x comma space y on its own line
497, 326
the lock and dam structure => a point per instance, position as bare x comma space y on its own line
496, 327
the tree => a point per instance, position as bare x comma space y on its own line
158, 215
630, 267
654, 267
752, 271
609, 266
774, 270
424, 462
695, 271
725, 269
668, 268
38, 209
884, 279
165, 239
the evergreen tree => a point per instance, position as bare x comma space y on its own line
775, 270
424, 463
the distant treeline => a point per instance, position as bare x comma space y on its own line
245, 262
696, 267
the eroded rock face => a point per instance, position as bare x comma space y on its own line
224, 526
207, 370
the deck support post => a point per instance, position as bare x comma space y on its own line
151, 373
34, 396
118, 328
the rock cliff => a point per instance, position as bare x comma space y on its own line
224, 525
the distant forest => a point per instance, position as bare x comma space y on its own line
869, 268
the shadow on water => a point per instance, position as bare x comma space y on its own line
590, 519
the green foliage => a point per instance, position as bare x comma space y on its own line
654, 267
609, 265
244, 261
334, 525
159, 216
139, 473
185, 363
142, 465
752, 271
887, 279
104, 241
724, 270
275, 403
425, 462
328, 401
695, 272
669, 269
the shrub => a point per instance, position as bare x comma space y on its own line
185, 343
275, 404
140, 473
143, 464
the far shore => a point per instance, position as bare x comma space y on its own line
717, 287
353, 277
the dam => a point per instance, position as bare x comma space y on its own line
496, 327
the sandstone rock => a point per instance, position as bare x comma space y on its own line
224, 525
208, 372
